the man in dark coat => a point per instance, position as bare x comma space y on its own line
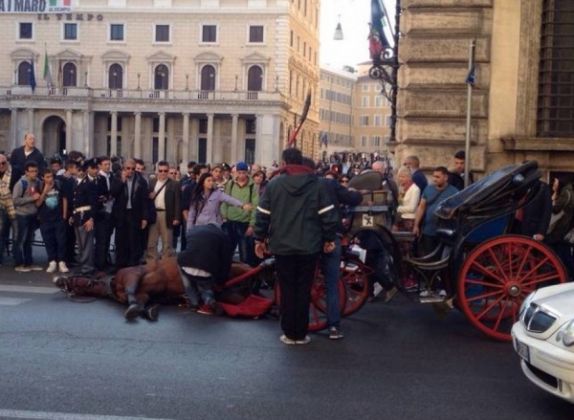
297, 216
23, 154
536, 214
205, 262
130, 214
166, 194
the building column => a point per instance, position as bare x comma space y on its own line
89, 133
161, 137
193, 145
209, 157
185, 139
69, 130
137, 135
114, 134
234, 124
14, 127
31, 120
259, 139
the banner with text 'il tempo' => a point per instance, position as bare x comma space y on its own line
35, 6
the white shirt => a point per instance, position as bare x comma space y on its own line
409, 203
159, 198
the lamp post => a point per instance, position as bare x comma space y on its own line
385, 57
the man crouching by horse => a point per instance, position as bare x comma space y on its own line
205, 263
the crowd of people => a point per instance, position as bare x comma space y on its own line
80, 204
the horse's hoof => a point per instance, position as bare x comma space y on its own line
152, 313
133, 311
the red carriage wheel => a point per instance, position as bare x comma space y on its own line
355, 278
496, 277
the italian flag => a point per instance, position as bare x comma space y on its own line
60, 3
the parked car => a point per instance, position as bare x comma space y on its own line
543, 337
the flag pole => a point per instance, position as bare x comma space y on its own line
469, 85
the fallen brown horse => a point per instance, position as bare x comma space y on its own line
144, 287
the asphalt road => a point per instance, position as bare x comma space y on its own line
65, 360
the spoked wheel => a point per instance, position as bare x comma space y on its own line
355, 278
498, 275
318, 304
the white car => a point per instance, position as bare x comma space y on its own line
544, 339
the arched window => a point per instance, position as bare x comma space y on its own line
161, 77
24, 71
208, 78
255, 79
69, 75
116, 76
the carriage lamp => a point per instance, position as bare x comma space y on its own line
526, 303
566, 334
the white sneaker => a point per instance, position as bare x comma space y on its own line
51, 267
22, 269
63, 267
377, 289
305, 340
286, 340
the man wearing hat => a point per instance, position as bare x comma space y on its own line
239, 223
84, 209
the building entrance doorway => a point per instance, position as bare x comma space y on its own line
54, 136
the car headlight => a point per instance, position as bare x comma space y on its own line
566, 334
526, 303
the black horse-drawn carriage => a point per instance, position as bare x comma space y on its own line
480, 267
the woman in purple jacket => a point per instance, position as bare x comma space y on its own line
205, 203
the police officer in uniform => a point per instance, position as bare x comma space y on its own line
84, 210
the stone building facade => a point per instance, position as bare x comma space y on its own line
523, 100
354, 115
336, 110
204, 80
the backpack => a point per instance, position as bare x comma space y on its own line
24, 183
250, 191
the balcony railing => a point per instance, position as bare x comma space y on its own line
131, 94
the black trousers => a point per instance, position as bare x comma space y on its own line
295, 274
103, 232
129, 238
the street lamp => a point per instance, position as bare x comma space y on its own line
338, 31
385, 57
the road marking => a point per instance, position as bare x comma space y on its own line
48, 415
6, 301
28, 289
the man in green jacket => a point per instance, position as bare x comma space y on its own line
297, 217
239, 223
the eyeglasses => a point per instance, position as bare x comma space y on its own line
162, 170
3, 163
129, 168
173, 173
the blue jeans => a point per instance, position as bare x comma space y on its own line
331, 268
25, 228
54, 236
